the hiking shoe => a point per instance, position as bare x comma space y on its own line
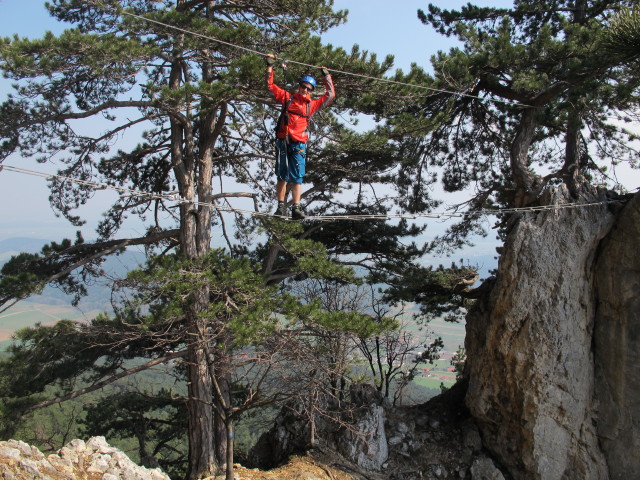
297, 213
281, 211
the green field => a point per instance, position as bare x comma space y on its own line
452, 334
440, 372
434, 383
27, 314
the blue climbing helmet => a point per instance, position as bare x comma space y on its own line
310, 80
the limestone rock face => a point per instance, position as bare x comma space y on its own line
360, 438
529, 347
617, 344
366, 445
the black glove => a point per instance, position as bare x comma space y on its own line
325, 71
271, 61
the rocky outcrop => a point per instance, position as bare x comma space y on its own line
530, 347
75, 461
437, 440
617, 344
358, 433
365, 443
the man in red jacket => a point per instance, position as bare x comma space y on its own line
292, 136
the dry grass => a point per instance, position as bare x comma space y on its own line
298, 468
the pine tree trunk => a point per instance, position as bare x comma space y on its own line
229, 459
201, 435
193, 169
524, 178
202, 438
571, 167
195, 240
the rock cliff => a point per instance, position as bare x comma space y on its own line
617, 344
552, 351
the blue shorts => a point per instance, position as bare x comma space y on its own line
290, 160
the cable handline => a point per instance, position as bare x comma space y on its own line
224, 209
343, 72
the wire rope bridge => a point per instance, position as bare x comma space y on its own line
325, 218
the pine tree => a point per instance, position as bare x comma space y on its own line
257, 345
525, 104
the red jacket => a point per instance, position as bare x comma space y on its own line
301, 108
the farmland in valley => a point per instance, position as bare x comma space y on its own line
28, 313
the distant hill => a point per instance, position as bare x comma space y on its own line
13, 246
117, 265
53, 303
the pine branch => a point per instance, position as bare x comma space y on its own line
107, 381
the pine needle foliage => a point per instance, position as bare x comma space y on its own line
623, 35
524, 104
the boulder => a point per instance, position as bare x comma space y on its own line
357, 433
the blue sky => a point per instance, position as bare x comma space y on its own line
392, 27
